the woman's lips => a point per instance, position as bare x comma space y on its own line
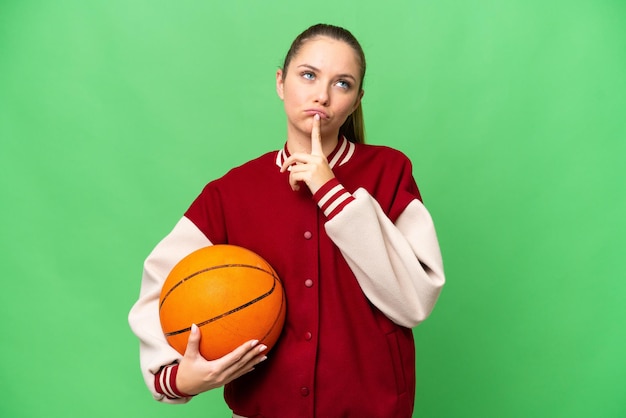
313, 112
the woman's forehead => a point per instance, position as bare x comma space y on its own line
328, 54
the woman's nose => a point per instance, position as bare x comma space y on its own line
322, 95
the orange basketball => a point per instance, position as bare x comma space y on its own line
230, 293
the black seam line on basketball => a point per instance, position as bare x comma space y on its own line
232, 311
221, 266
282, 306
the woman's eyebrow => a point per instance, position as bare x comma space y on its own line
315, 69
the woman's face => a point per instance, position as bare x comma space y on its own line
322, 78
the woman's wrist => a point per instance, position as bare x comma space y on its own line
332, 197
165, 382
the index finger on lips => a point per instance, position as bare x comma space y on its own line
316, 136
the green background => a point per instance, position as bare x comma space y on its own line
114, 114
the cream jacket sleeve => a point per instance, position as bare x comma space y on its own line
154, 350
398, 266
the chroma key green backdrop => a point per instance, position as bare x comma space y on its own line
114, 114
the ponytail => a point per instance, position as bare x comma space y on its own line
354, 127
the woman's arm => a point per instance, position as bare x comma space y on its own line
398, 266
155, 352
172, 377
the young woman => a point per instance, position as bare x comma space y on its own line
343, 225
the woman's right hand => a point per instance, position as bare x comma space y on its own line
197, 374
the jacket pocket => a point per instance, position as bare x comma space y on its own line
396, 359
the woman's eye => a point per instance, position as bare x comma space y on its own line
343, 84
308, 75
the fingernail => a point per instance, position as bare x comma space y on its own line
194, 328
262, 348
263, 359
317, 116
254, 342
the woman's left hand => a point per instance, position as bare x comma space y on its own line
313, 168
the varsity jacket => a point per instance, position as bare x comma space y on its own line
360, 264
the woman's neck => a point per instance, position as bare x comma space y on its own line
301, 142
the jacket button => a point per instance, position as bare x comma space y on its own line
308, 336
304, 391
308, 235
308, 283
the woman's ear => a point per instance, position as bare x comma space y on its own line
358, 100
280, 84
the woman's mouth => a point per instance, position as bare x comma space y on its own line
313, 112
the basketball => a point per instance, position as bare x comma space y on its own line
231, 293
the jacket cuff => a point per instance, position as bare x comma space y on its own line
165, 383
332, 197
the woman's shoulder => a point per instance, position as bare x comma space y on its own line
249, 170
382, 152
255, 163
